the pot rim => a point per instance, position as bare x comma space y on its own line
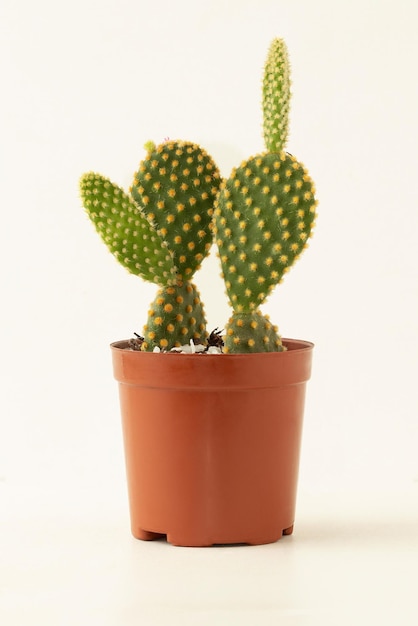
259, 370
292, 345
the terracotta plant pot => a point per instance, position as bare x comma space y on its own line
212, 442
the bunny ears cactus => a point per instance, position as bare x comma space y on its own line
262, 217
162, 232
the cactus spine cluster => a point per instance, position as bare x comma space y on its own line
162, 232
264, 216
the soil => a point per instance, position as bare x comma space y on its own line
213, 345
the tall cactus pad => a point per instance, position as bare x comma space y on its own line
251, 332
264, 215
126, 230
176, 186
176, 316
276, 97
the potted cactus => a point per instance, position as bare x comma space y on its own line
211, 440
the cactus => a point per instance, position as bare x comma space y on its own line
264, 215
162, 233
276, 97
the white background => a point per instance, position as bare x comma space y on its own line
83, 85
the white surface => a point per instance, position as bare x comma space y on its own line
353, 559
84, 85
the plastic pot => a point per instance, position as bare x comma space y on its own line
212, 442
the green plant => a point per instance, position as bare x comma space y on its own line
161, 232
262, 217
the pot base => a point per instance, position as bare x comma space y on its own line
201, 542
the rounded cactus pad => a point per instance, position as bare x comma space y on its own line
126, 230
251, 332
176, 186
276, 96
264, 216
176, 316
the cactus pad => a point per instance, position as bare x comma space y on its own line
276, 97
176, 186
126, 230
176, 316
264, 215
251, 332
